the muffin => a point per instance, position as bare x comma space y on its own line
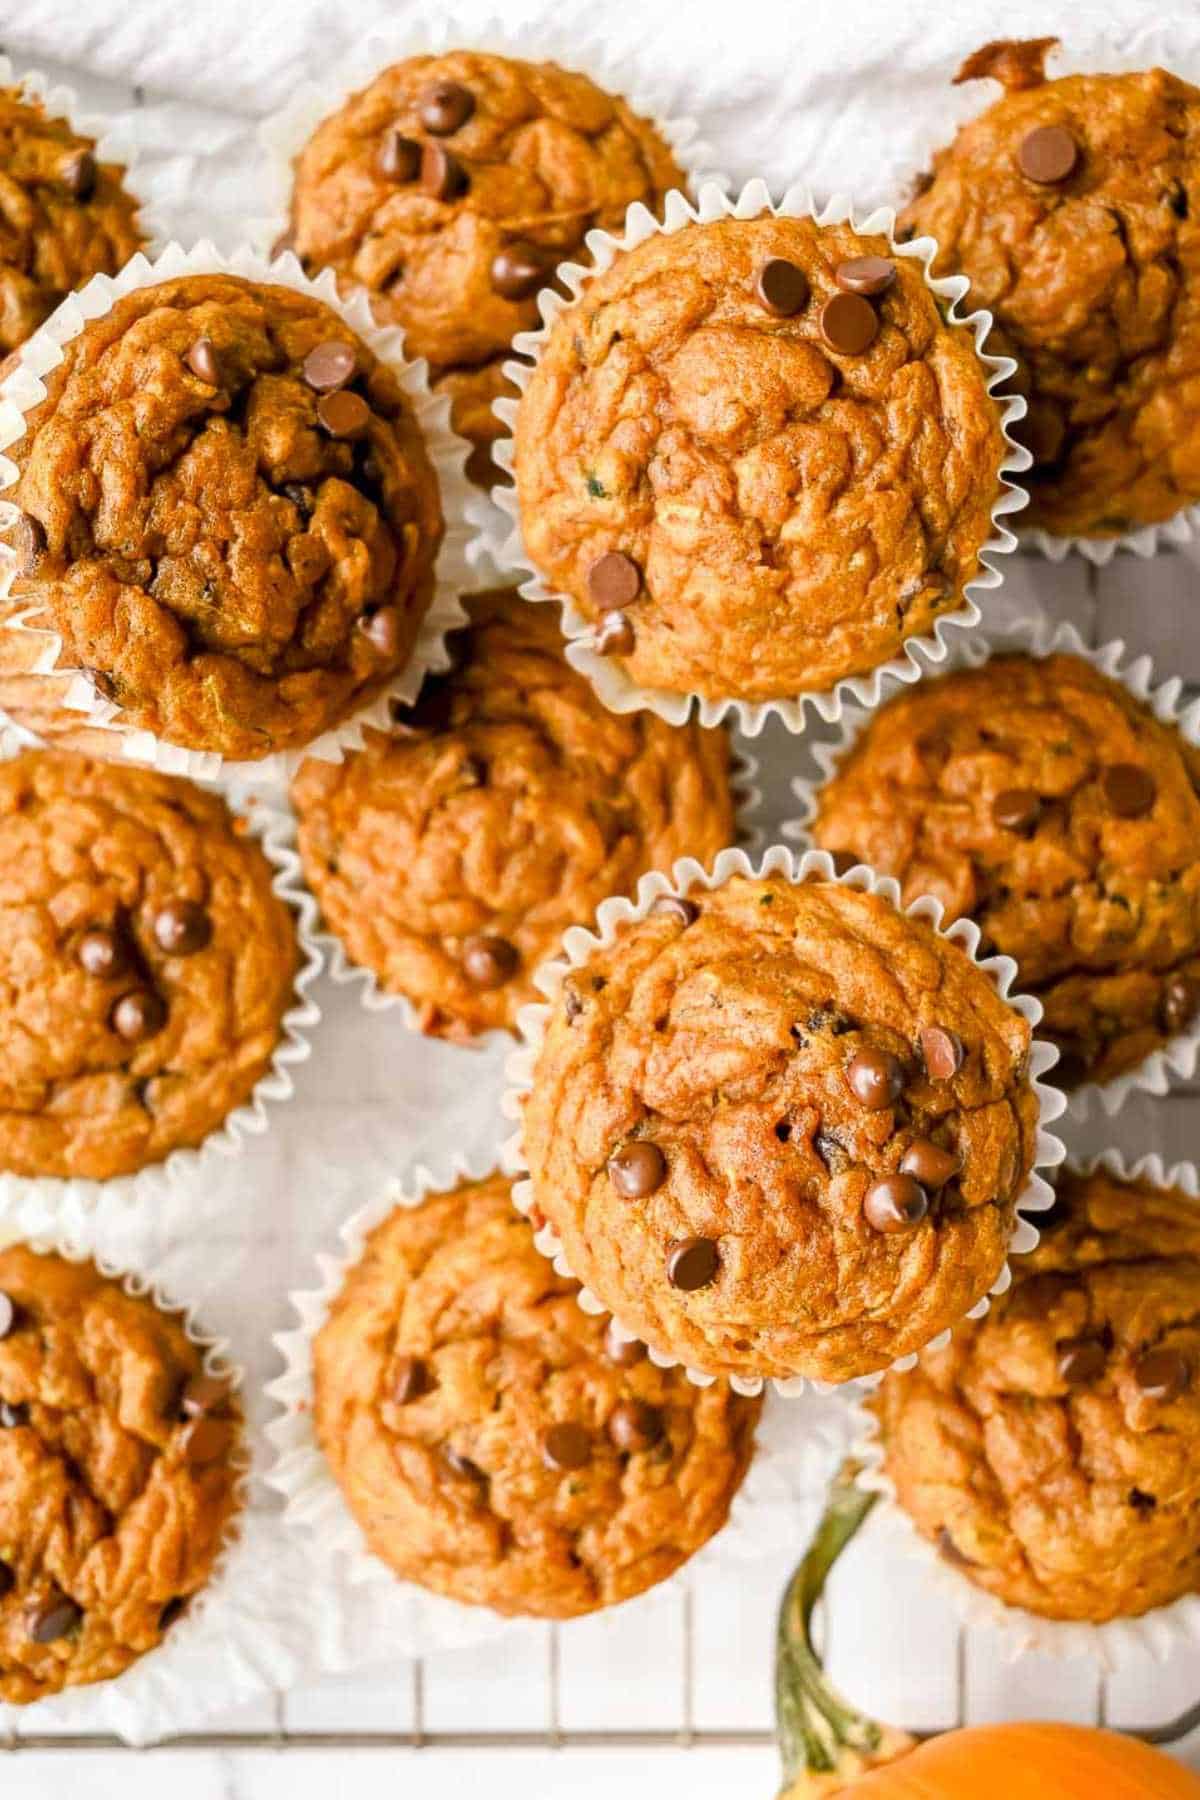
1040, 798
450, 856
228, 513
496, 1443
65, 217
37, 701
120, 1460
756, 453
145, 965
781, 1129
1072, 206
1049, 1450
452, 186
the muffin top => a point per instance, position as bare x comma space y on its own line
1043, 800
494, 1441
229, 514
1073, 207
760, 442
65, 217
782, 1130
453, 185
1050, 1449
118, 1474
451, 856
145, 965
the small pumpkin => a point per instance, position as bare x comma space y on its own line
828, 1747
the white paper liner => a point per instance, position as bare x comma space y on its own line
1177, 1060
1161, 1632
73, 1198
781, 1494
614, 686
24, 389
615, 913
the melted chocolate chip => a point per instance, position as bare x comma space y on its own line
622, 1350
1177, 1007
1162, 1374
876, 1078
1129, 790
204, 1394
28, 543
442, 175
637, 1169
137, 1015
8, 1580
692, 1263
101, 952
462, 1465
865, 274
398, 157
675, 906
613, 580
79, 174
782, 287
897, 1203
849, 324
634, 1425
343, 414
942, 1052
927, 1163
489, 962
1016, 809
566, 1446
1082, 1361
56, 1618
201, 359
411, 1380
518, 271
330, 366
12, 1414
8, 1314
1048, 155
182, 927
445, 106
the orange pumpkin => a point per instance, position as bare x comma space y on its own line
1053, 1762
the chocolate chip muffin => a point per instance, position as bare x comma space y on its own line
64, 216
496, 1443
1040, 798
1050, 1449
119, 1460
228, 513
781, 1129
1073, 207
452, 186
451, 856
756, 455
145, 965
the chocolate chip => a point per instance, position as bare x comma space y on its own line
1016, 809
613, 580
1141, 1502
1178, 1005
897, 1203
676, 907
138, 1015
876, 1078
204, 1394
445, 106
28, 543
1082, 1361
622, 1350
518, 271
12, 1414
172, 1612
79, 174
1048, 155
634, 1425
8, 1579
942, 1053
55, 1618
201, 359
204, 1440
614, 636
1128, 789
383, 630
330, 366
843, 861
182, 927
100, 952
442, 175
343, 414
566, 1446
637, 1169
692, 1263
1162, 1374
411, 1380
398, 157
849, 324
782, 287
8, 1314
489, 961
928, 1163
462, 1465
572, 1003
865, 274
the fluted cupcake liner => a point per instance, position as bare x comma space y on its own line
73, 1199
1177, 1060
579, 944
613, 685
782, 1493
24, 388
1160, 1632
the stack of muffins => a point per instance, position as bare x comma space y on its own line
777, 1118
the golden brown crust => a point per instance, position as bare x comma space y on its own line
208, 547
87, 846
727, 1043
1090, 280
116, 1493
1100, 911
456, 1488
63, 216
794, 512
1073, 1499
508, 805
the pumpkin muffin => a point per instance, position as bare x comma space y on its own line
1074, 208
65, 216
145, 965
1049, 1449
228, 513
450, 189
496, 1443
757, 456
1041, 799
450, 856
781, 1129
119, 1468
